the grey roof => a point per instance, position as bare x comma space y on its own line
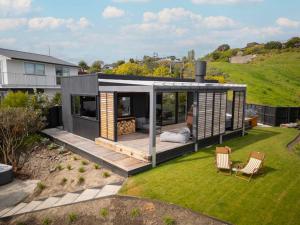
13, 54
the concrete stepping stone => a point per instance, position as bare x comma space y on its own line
67, 199
108, 190
4, 211
29, 207
87, 195
15, 209
49, 202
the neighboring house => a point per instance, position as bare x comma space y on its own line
29, 71
127, 113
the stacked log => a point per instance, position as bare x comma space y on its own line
126, 126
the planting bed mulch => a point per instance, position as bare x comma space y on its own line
116, 210
60, 171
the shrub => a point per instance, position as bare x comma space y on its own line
103, 212
41, 186
16, 126
162, 71
16, 99
73, 217
75, 158
81, 169
52, 146
59, 167
96, 166
169, 220
84, 163
135, 212
21, 223
106, 174
273, 45
64, 181
81, 180
69, 167
291, 43
56, 100
223, 47
47, 221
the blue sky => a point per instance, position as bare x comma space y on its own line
121, 29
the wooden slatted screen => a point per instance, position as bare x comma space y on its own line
211, 115
107, 118
238, 109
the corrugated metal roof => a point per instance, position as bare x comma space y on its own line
13, 54
169, 84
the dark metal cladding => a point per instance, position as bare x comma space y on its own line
200, 71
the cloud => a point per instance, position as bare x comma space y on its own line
39, 23
224, 2
218, 22
12, 7
11, 23
7, 41
285, 22
112, 12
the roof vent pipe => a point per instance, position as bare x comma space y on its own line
200, 71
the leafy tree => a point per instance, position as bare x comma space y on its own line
191, 55
83, 65
132, 69
96, 66
273, 45
16, 99
223, 48
16, 127
120, 62
131, 60
56, 100
291, 43
252, 44
162, 71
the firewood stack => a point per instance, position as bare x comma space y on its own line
126, 126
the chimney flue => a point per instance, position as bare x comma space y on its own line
200, 71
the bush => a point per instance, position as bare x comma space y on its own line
106, 174
103, 212
16, 126
273, 45
16, 99
41, 186
64, 181
169, 220
69, 167
84, 163
81, 169
135, 212
96, 166
223, 47
59, 167
81, 180
291, 43
56, 100
47, 221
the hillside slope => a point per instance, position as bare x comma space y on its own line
271, 80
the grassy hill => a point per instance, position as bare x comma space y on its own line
272, 79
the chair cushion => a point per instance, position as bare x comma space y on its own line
223, 161
181, 137
253, 164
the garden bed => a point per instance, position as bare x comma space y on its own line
61, 171
116, 210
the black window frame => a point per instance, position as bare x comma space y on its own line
78, 113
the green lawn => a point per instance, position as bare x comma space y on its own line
191, 181
272, 80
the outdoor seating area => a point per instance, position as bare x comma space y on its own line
243, 171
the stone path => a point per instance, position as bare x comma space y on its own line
67, 199
115, 161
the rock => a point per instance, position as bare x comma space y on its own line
51, 170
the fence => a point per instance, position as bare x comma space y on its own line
273, 116
54, 117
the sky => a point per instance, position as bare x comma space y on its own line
110, 30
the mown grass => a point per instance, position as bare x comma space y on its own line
192, 181
272, 79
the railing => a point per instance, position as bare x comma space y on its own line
24, 80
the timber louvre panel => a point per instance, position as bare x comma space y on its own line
212, 113
107, 118
237, 111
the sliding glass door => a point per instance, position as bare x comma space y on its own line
182, 107
168, 108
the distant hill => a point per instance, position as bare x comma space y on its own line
272, 79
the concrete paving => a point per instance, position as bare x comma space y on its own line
15, 209
67, 199
29, 207
17, 191
108, 190
87, 195
49, 202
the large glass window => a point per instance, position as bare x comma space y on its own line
182, 101
61, 72
124, 106
168, 108
85, 106
34, 68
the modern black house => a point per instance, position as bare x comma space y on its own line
127, 113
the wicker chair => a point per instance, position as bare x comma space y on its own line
222, 160
253, 166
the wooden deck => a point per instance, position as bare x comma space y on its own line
117, 162
137, 144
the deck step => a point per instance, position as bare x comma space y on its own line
29, 207
48, 203
87, 195
67, 199
15, 209
108, 190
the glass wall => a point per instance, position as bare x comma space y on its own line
84, 106
168, 108
182, 106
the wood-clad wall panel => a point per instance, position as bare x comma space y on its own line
238, 109
107, 118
